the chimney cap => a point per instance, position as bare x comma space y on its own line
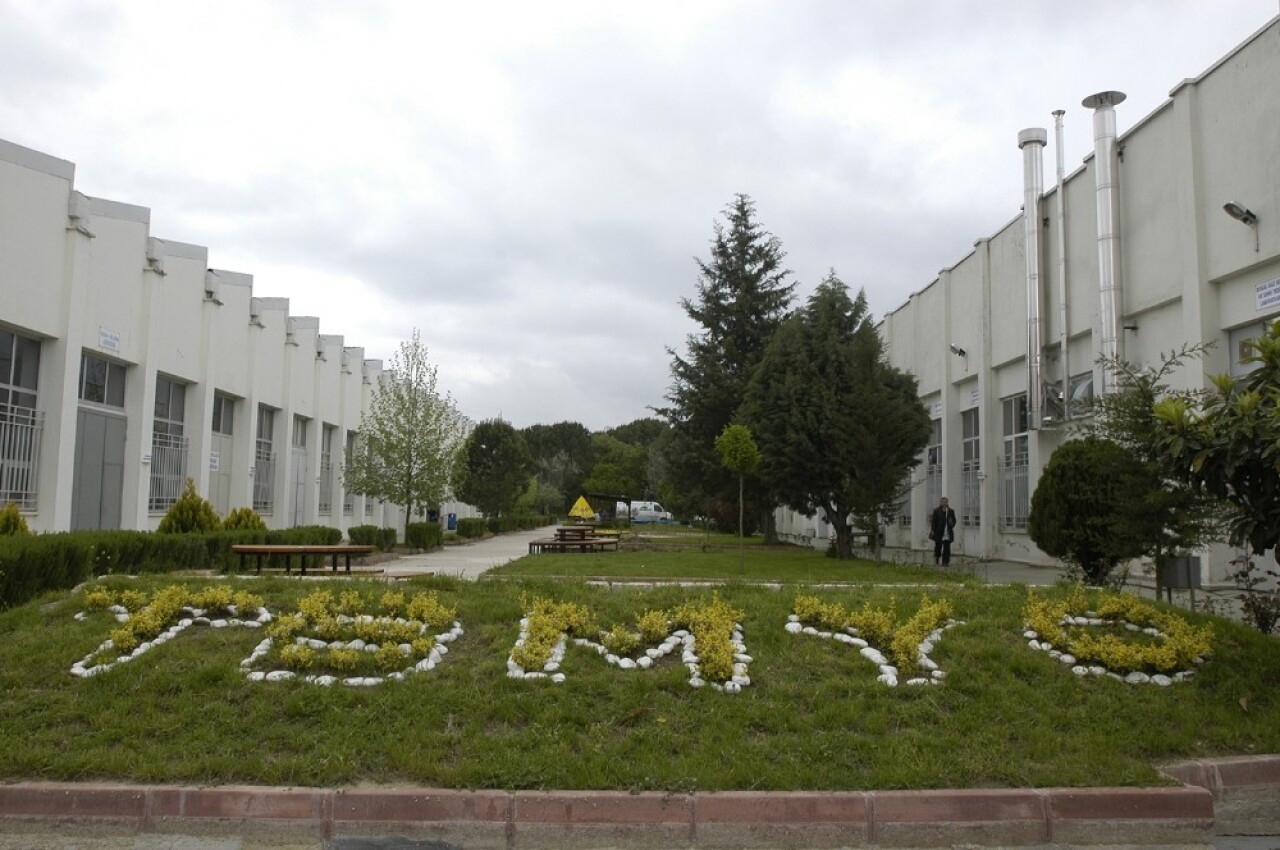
1103, 98
1033, 135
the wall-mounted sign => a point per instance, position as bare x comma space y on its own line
215, 461
108, 339
974, 397
1267, 294
936, 410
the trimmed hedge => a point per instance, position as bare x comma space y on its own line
472, 527
370, 535
30, 566
423, 535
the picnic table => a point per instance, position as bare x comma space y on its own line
302, 551
577, 538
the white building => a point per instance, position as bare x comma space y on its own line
128, 365
1168, 234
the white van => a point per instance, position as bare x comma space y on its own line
645, 512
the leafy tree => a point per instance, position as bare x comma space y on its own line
740, 455
742, 297
1227, 443
496, 469
1090, 507
410, 438
619, 468
1187, 518
562, 457
190, 513
838, 426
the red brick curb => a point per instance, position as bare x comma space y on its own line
1227, 776
586, 819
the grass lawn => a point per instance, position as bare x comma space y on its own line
814, 717
787, 564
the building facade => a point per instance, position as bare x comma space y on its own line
127, 365
1167, 234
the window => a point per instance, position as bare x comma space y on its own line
327, 434
21, 425
349, 498
970, 470
101, 381
1236, 338
224, 414
1081, 388
299, 432
904, 502
933, 466
168, 445
1014, 495
264, 462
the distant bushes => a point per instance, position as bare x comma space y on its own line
423, 535
384, 539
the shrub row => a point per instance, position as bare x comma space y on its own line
423, 535
522, 522
472, 527
371, 535
30, 566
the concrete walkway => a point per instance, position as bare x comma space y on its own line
466, 560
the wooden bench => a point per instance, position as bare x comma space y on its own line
556, 544
302, 551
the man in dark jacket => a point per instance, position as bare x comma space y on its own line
942, 530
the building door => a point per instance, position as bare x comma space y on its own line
298, 473
222, 457
98, 478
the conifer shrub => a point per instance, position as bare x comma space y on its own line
244, 519
12, 521
190, 514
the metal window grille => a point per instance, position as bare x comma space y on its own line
326, 484
904, 503
168, 470
368, 507
1014, 479
970, 494
264, 478
20, 432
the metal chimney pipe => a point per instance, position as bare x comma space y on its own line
1106, 172
1032, 141
1064, 335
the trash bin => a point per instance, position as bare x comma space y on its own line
452, 522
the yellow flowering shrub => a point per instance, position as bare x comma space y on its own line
653, 626
246, 603
712, 627
875, 625
98, 599
317, 606
344, 660
133, 600
393, 602
619, 641
283, 628
423, 644
298, 657
212, 597
389, 657
427, 608
932, 614
350, 602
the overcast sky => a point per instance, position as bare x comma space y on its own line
529, 182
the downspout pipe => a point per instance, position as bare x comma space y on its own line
1064, 334
1106, 173
1032, 141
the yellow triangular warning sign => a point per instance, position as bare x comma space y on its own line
582, 509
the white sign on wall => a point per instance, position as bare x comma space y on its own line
936, 410
974, 398
108, 339
215, 461
1267, 294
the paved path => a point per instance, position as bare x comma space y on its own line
467, 560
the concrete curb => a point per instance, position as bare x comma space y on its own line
594, 819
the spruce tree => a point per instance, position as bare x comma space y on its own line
743, 294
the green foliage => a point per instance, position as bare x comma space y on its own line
1227, 443
1089, 507
562, 457
244, 519
472, 528
496, 467
619, 469
191, 513
12, 521
743, 293
410, 438
372, 535
423, 535
737, 449
838, 426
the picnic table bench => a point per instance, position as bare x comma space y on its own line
302, 551
576, 538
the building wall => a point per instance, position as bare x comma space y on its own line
1188, 273
84, 276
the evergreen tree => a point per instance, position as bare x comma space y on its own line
743, 294
410, 438
496, 469
562, 457
838, 427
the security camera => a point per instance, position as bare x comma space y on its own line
957, 350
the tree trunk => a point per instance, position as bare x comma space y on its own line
769, 526
844, 540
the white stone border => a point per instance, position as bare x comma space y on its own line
678, 638
889, 674
423, 665
1091, 618
194, 617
